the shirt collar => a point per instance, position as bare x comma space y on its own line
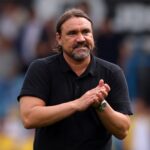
91, 69
63, 64
92, 66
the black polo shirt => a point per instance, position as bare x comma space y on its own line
52, 80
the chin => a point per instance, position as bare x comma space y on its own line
81, 57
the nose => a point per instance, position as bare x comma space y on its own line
80, 38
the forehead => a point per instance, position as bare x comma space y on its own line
76, 23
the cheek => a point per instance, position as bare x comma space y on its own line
91, 42
67, 44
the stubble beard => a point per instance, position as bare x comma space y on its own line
80, 51
80, 55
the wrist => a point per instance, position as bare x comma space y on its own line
101, 107
75, 105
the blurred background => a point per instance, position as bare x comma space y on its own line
122, 36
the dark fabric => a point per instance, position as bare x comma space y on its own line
108, 46
52, 80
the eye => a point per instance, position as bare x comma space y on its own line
71, 33
86, 31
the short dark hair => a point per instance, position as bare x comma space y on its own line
74, 12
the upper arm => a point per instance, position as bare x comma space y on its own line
36, 82
119, 85
119, 96
27, 103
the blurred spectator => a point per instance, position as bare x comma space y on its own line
137, 73
47, 40
34, 31
12, 18
46, 9
141, 134
108, 42
28, 38
9, 69
85, 6
10, 84
8, 59
136, 65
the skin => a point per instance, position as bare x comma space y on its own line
76, 39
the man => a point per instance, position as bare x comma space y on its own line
63, 96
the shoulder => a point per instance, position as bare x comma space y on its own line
45, 62
106, 66
41, 66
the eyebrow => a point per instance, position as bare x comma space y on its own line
76, 30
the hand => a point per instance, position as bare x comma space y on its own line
93, 97
104, 90
89, 98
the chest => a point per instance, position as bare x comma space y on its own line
67, 87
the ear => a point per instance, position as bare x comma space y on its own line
58, 38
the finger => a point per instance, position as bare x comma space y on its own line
95, 99
107, 87
104, 93
100, 96
101, 82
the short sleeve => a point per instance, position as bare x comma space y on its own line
36, 81
119, 96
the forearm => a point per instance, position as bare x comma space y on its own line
35, 114
40, 116
116, 123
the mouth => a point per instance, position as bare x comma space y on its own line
81, 46
81, 51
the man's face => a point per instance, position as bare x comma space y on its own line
76, 38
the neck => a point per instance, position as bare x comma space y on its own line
78, 66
